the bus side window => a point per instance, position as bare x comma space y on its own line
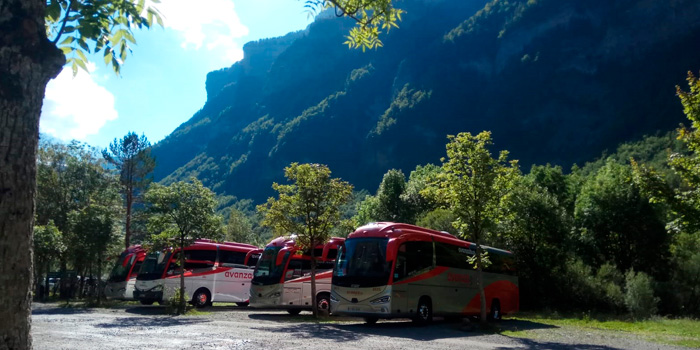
228, 258
412, 258
293, 270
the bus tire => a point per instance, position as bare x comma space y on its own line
201, 298
147, 301
495, 313
371, 320
424, 312
243, 304
323, 303
293, 312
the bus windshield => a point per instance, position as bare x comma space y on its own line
121, 268
362, 263
153, 266
267, 271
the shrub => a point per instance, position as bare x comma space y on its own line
173, 303
639, 295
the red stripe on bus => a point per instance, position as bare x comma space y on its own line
211, 272
319, 276
432, 273
506, 292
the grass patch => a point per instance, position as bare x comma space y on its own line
682, 331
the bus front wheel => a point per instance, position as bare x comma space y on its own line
323, 303
424, 313
293, 312
146, 301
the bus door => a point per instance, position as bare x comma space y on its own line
293, 290
414, 260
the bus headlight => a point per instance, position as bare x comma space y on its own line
275, 295
383, 300
334, 299
158, 288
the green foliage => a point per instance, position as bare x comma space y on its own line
367, 211
582, 288
131, 156
372, 17
440, 219
406, 99
685, 252
473, 184
82, 27
617, 223
48, 242
389, 195
536, 228
639, 295
309, 206
239, 228
183, 211
173, 304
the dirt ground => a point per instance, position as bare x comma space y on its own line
232, 327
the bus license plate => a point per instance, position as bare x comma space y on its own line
354, 308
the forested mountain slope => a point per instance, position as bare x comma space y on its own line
556, 81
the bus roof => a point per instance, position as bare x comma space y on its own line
396, 230
290, 241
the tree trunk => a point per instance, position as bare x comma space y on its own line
314, 306
99, 277
182, 307
480, 282
129, 203
27, 62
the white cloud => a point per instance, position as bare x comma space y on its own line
75, 107
212, 24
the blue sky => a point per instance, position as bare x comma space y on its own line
162, 82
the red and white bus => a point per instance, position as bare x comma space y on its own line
391, 270
121, 281
283, 276
214, 272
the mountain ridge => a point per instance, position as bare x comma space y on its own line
554, 81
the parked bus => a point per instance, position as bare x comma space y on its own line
282, 278
214, 272
390, 270
121, 281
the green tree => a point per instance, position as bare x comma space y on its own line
28, 60
536, 228
389, 195
308, 207
239, 228
182, 212
440, 219
71, 178
474, 185
372, 17
132, 157
95, 225
617, 224
683, 201
48, 245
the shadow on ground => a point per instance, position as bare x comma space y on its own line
354, 329
58, 309
545, 345
150, 322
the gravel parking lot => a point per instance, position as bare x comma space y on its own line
231, 327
